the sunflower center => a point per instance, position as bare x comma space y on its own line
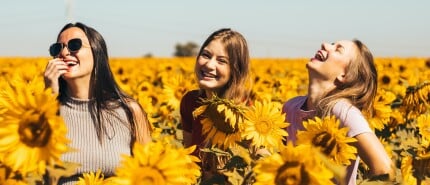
326, 141
35, 132
263, 126
149, 176
292, 173
386, 79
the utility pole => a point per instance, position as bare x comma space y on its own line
69, 10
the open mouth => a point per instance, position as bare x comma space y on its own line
320, 56
71, 63
207, 75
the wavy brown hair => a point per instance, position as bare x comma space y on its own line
239, 85
359, 87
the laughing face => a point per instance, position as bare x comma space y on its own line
330, 62
80, 63
213, 67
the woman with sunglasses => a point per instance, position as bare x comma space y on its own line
102, 121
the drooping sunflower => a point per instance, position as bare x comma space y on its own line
92, 178
32, 134
332, 140
222, 122
158, 164
416, 100
264, 125
291, 167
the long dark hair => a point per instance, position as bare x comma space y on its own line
103, 88
239, 85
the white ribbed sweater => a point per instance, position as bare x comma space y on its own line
90, 153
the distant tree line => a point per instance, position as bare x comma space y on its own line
188, 49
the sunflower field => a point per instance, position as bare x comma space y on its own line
32, 134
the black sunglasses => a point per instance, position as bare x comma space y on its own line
73, 46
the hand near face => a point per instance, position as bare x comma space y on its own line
55, 68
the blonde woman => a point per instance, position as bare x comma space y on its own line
342, 82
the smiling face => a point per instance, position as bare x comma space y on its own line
80, 63
213, 67
331, 61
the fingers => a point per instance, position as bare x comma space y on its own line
55, 68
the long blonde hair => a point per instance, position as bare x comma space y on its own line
359, 87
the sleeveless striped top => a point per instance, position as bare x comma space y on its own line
88, 151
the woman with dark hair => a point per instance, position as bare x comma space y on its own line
102, 121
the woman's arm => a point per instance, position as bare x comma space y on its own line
372, 152
369, 148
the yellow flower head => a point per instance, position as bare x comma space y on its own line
174, 88
32, 134
291, 167
406, 169
424, 126
264, 125
92, 178
381, 109
222, 121
158, 164
414, 168
331, 139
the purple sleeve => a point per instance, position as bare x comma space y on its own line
293, 116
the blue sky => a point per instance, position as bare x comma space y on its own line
273, 28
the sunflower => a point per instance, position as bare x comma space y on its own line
331, 139
174, 88
156, 163
291, 167
264, 125
32, 134
381, 109
424, 126
416, 168
222, 121
406, 169
92, 178
416, 100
